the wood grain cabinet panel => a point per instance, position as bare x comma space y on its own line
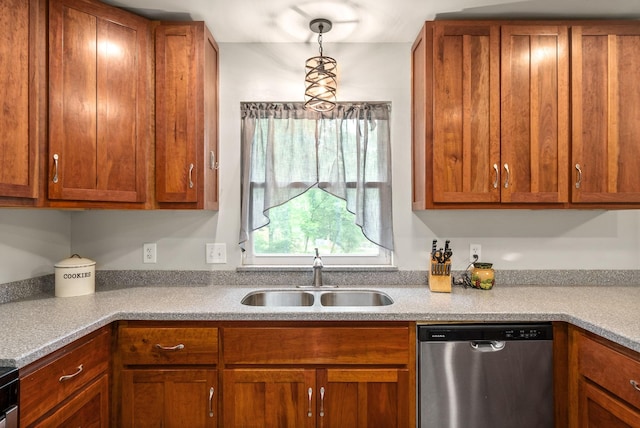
490, 114
606, 111
604, 385
270, 398
67, 375
600, 410
534, 113
166, 375
99, 103
169, 398
186, 116
90, 408
319, 376
466, 113
22, 37
361, 398
168, 345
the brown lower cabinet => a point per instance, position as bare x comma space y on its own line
316, 397
284, 374
169, 398
166, 375
319, 375
70, 387
604, 383
272, 374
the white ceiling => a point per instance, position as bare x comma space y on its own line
358, 21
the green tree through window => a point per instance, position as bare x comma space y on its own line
315, 219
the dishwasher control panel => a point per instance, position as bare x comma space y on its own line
459, 332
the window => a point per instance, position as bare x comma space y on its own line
316, 180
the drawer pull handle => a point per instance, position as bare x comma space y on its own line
310, 392
495, 168
211, 391
212, 160
71, 376
506, 181
170, 348
579, 179
322, 402
190, 176
635, 384
55, 167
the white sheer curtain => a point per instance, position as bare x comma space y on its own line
286, 150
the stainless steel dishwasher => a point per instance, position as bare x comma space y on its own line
485, 375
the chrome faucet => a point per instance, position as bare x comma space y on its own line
317, 270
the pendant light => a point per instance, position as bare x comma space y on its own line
320, 78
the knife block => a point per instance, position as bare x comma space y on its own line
440, 277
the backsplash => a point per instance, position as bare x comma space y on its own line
117, 279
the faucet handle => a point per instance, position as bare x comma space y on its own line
317, 260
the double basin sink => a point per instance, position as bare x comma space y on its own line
309, 297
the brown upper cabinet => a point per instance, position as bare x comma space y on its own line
186, 116
490, 112
22, 72
100, 101
606, 113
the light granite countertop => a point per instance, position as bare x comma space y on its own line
33, 327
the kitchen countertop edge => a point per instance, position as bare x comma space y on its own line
56, 322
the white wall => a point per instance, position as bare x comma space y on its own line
511, 239
31, 242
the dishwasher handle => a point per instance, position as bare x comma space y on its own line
488, 345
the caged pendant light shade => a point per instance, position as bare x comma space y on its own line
321, 74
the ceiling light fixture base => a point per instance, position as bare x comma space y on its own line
320, 25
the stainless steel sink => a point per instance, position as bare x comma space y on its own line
278, 298
322, 297
355, 298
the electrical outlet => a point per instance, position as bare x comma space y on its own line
216, 253
149, 253
475, 252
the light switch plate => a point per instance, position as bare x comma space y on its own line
216, 253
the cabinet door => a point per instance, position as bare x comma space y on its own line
186, 116
88, 409
606, 104
269, 398
98, 103
20, 80
599, 409
361, 398
535, 113
466, 112
169, 398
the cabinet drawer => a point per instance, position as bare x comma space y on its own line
49, 385
317, 345
610, 369
179, 345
